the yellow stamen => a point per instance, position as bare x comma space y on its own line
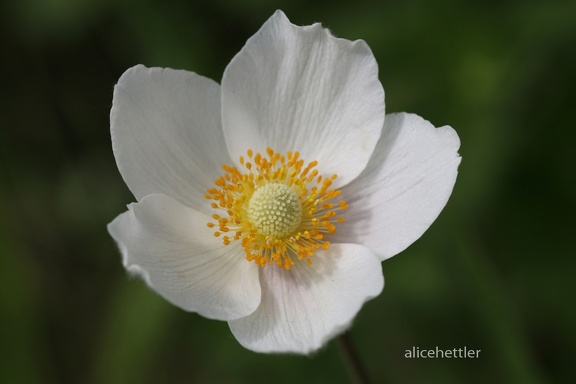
276, 207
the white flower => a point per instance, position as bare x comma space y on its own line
261, 241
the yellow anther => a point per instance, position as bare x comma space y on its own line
277, 207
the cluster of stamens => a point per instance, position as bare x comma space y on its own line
278, 208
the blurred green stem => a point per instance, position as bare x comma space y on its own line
354, 366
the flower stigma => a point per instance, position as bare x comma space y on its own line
280, 210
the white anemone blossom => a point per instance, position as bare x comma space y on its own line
269, 201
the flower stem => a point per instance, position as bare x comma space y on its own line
354, 366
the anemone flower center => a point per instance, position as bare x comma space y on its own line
275, 210
280, 210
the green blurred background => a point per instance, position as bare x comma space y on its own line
495, 272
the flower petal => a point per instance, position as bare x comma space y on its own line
404, 187
301, 89
170, 246
166, 133
304, 307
